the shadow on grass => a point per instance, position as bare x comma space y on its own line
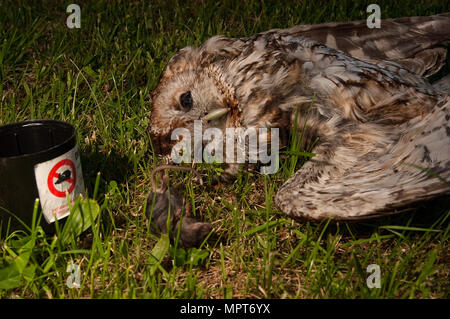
427, 215
112, 166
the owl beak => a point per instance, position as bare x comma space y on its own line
215, 114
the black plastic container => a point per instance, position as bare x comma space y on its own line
38, 159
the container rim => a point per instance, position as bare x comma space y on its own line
38, 122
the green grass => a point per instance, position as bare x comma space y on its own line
98, 78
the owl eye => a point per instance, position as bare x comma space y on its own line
186, 100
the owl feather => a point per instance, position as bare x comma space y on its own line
379, 128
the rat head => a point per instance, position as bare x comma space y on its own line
192, 87
192, 233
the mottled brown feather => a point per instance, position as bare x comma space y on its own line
364, 101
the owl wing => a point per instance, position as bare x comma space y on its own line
443, 85
411, 42
365, 91
365, 170
384, 137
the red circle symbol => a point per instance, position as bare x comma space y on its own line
70, 178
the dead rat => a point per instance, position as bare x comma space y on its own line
166, 202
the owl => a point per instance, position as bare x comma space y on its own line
380, 131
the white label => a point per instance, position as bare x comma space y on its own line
55, 179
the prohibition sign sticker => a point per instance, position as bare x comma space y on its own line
54, 179
63, 176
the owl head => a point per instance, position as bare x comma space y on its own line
227, 83
193, 86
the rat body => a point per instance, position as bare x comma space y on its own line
168, 212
